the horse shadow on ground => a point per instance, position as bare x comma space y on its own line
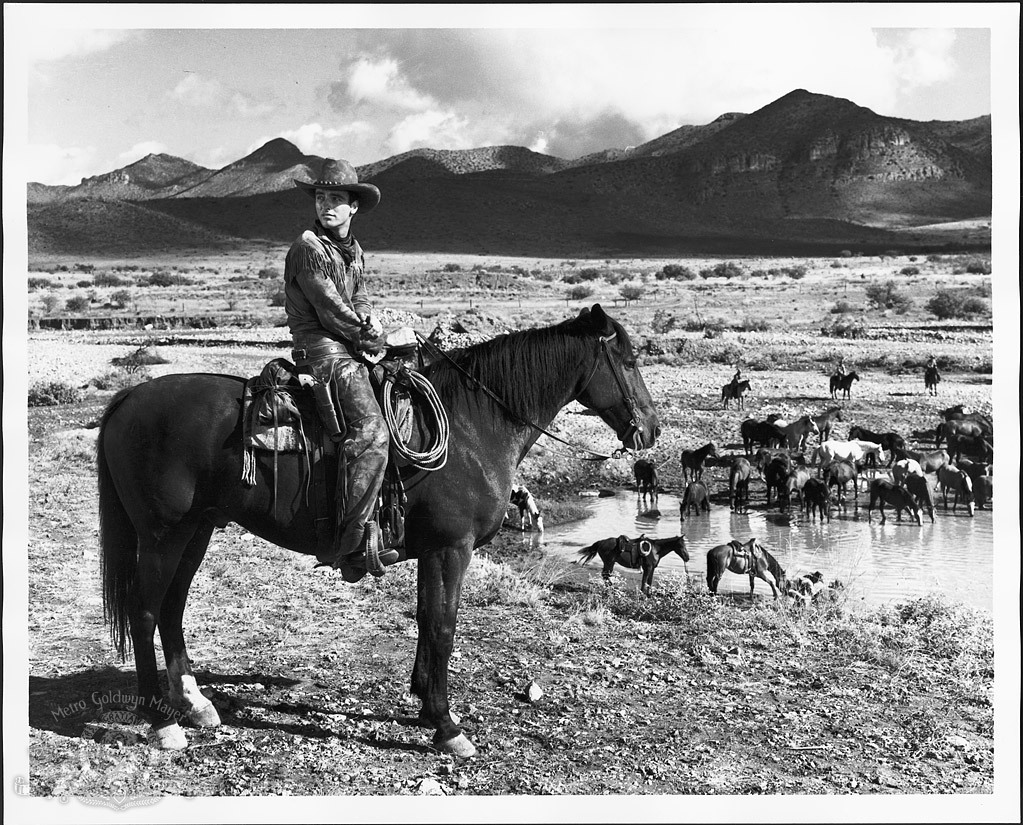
66, 705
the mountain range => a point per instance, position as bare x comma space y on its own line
805, 173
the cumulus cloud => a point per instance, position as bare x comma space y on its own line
141, 150
381, 83
925, 58
46, 43
60, 165
209, 93
434, 129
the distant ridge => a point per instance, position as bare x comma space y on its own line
803, 164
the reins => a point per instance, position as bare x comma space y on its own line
594, 455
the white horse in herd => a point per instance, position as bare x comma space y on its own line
854, 451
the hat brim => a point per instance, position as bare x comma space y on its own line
369, 195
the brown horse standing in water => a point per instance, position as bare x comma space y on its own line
169, 460
750, 558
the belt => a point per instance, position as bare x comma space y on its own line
307, 354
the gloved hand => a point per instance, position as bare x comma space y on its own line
371, 327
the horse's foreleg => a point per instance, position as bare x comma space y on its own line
158, 562
439, 586
184, 692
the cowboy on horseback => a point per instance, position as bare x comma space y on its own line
840, 371
332, 325
734, 386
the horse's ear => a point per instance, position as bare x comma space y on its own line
597, 318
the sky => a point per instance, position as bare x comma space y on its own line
106, 86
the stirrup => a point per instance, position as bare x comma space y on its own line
375, 557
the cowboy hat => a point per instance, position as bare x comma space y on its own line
340, 176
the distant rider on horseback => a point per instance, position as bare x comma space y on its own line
332, 324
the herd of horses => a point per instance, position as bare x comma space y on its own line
777, 451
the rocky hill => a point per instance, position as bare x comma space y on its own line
806, 168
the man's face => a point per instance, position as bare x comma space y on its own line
335, 210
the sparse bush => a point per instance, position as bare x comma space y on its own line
729, 269
909, 270
842, 307
846, 253
268, 274
277, 298
106, 279
40, 283
888, 296
52, 393
121, 298
579, 292
631, 292
663, 322
79, 303
452, 267
845, 328
675, 272
748, 324
590, 273
796, 273
613, 277
144, 356
50, 303
947, 303
83, 284
164, 278
934, 259
120, 379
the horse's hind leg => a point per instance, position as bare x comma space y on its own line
158, 561
184, 692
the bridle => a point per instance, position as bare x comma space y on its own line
602, 347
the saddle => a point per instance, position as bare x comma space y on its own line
284, 411
634, 551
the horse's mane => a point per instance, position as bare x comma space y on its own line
521, 368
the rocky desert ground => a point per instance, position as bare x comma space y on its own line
567, 687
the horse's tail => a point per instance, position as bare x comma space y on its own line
118, 541
587, 554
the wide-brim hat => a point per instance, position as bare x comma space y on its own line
340, 176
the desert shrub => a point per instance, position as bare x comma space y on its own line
577, 293
749, 324
144, 356
452, 267
934, 259
845, 328
982, 289
729, 269
50, 303
796, 273
120, 379
631, 292
487, 582
948, 303
675, 272
268, 274
613, 277
888, 296
121, 297
83, 284
52, 393
40, 283
277, 298
909, 270
706, 272
590, 273
663, 322
79, 303
163, 278
571, 278
846, 253
545, 276
842, 307
106, 279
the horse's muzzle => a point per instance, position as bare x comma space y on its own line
636, 438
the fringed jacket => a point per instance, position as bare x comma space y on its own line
324, 293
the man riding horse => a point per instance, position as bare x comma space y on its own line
332, 324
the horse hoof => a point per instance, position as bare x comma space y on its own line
204, 717
169, 738
459, 746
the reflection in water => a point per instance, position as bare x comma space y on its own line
878, 564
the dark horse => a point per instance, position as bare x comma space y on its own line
636, 554
750, 558
692, 461
646, 477
931, 380
843, 383
736, 391
169, 458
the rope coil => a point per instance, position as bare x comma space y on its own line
435, 455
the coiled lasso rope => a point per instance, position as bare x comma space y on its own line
435, 455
